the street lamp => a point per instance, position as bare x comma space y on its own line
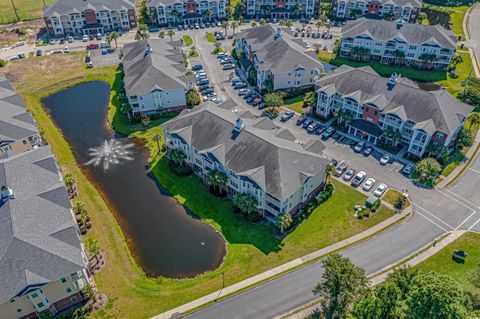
223, 286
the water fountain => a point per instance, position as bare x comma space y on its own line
110, 153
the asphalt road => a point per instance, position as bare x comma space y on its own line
474, 27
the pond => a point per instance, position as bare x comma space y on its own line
164, 237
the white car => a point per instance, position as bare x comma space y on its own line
368, 184
380, 190
309, 45
70, 39
385, 159
358, 179
349, 175
85, 38
66, 50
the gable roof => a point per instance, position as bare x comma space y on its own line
161, 69
399, 3
261, 151
412, 33
405, 99
280, 54
69, 6
39, 240
15, 122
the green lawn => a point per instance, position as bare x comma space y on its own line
26, 9
456, 16
325, 56
251, 249
442, 261
210, 37
392, 195
295, 104
187, 40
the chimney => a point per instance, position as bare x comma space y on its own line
392, 81
239, 125
278, 33
148, 50
7, 193
399, 23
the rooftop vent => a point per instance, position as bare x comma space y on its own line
7, 193
239, 125
399, 23
392, 81
148, 50
278, 33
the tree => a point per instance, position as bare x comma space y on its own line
319, 24
79, 208
274, 99
171, 33
392, 135
193, 98
161, 34
69, 180
475, 277
246, 203
218, 47
329, 169
284, 221
113, 37
92, 247
296, 9
146, 120
402, 277
344, 117
157, 138
234, 25
474, 119
217, 179
208, 13
225, 25
175, 14
254, 24
144, 14
177, 156
310, 99
422, 16
435, 296
262, 21
383, 303
429, 166
465, 138
342, 283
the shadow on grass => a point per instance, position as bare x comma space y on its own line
191, 192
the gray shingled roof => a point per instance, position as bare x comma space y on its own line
69, 6
412, 33
39, 240
281, 54
405, 99
400, 3
265, 153
163, 68
15, 122
158, 3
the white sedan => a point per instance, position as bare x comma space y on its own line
368, 184
385, 159
380, 190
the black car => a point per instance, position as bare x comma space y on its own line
62, 41
250, 99
286, 116
320, 130
207, 91
328, 133
204, 87
197, 67
203, 82
238, 86
300, 120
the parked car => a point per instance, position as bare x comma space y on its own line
349, 175
380, 190
66, 50
341, 168
85, 38
38, 52
262, 105
368, 150
359, 147
62, 41
313, 127
385, 159
300, 120
202, 81
358, 179
197, 26
228, 66
70, 39
99, 36
52, 41
204, 87
207, 91
90, 64
91, 37
86, 59
257, 101
328, 133
306, 123
179, 27
242, 92
240, 86
197, 67
92, 46
368, 184
286, 116
320, 130
408, 169
333, 163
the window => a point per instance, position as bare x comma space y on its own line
34, 295
63, 280
19, 309
68, 289
40, 305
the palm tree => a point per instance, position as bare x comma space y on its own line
263, 21
225, 26
474, 119
175, 14
329, 169
344, 117
319, 24
208, 13
296, 9
79, 208
284, 221
171, 33
392, 135
69, 180
218, 47
265, 10
177, 156
217, 179
288, 23
161, 34
254, 24
92, 247
246, 203
234, 25
114, 36
399, 56
157, 138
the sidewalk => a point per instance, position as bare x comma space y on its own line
475, 61
265, 276
452, 236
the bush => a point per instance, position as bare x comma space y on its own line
375, 206
2, 63
180, 170
314, 203
193, 98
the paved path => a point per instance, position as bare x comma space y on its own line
471, 27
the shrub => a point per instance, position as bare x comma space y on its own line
180, 170
375, 206
83, 231
193, 98
2, 63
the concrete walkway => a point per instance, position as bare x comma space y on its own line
265, 276
475, 61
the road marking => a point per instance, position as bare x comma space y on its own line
432, 221
475, 170
426, 211
473, 225
466, 220
462, 198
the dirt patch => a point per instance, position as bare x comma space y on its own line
27, 31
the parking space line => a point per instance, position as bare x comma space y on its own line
432, 221
475, 170
458, 196
466, 220
473, 225
426, 211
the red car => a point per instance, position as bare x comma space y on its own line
92, 46
92, 37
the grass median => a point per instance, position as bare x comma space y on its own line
251, 249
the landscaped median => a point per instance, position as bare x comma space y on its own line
251, 248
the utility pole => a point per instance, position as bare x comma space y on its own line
223, 286
15, 10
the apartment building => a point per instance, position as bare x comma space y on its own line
18, 131
407, 10
155, 76
258, 157
173, 12
79, 17
280, 63
42, 260
422, 46
397, 104
280, 9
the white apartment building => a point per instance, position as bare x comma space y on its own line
376, 104
155, 77
279, 62
173, 12
400, 43
70, 17
42, 259
280, 9
407, 10
258, 157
